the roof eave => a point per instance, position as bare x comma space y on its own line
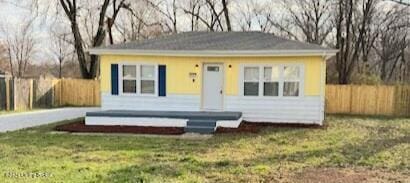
214, 53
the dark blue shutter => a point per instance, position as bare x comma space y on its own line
114, 79
162, 80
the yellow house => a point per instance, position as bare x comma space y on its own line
189, 79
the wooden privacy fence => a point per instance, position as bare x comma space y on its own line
24, 94
368, 100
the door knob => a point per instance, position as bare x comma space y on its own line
220, 92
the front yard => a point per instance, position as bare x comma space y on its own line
347, 149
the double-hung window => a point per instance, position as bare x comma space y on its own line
251, 81
272, 80
139, 79
147, 79
129, 79
291, 83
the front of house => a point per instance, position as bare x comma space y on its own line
265, 78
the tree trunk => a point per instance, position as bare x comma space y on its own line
226, 13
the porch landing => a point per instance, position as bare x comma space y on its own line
196, 122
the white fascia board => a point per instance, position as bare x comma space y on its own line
214, 53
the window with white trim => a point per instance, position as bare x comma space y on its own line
139, 79
251, 81
129, 79
272, 80
291, 83
147, 79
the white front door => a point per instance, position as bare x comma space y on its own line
212, 90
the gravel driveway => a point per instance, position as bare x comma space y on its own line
11, 122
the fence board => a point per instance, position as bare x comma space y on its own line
402, 98
338, 99
77, 92
3, 94
43, 93
22, 94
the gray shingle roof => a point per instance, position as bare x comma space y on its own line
216, 41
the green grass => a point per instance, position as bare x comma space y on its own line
346, 142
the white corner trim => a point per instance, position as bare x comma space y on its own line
213, 53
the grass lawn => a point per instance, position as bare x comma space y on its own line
348, 149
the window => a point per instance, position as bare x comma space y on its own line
147, 79
139, 79
291, 82
271, 81
251, 81
213, 68
129, 79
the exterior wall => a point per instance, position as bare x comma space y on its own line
184, 94
178, 69
280, 110
169, 103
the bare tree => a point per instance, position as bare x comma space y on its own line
227, 16
61, 50
211, 14
89, 63
140, 21
392, 42
253, 14
168, 11
351, 20
20, 45
194, 6
116, 7
306, 20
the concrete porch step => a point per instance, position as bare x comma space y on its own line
200, 129
201, 122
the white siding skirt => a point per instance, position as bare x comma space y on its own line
151, 122
301, 110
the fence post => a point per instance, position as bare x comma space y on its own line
31, 88
7, 82
350, 98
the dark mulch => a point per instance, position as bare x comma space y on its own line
250, 127
82, 128
244, 127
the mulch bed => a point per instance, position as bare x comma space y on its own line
250, 127
244, 127
80, 127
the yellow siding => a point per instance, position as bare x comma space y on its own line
178, 69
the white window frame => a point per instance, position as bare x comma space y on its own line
128, 79
278, 80
299, 79
138, 72
281, 79
244, 80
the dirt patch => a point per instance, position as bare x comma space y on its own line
251, 127
80, 127
244, 127
338, 175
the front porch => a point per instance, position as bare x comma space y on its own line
194, 122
